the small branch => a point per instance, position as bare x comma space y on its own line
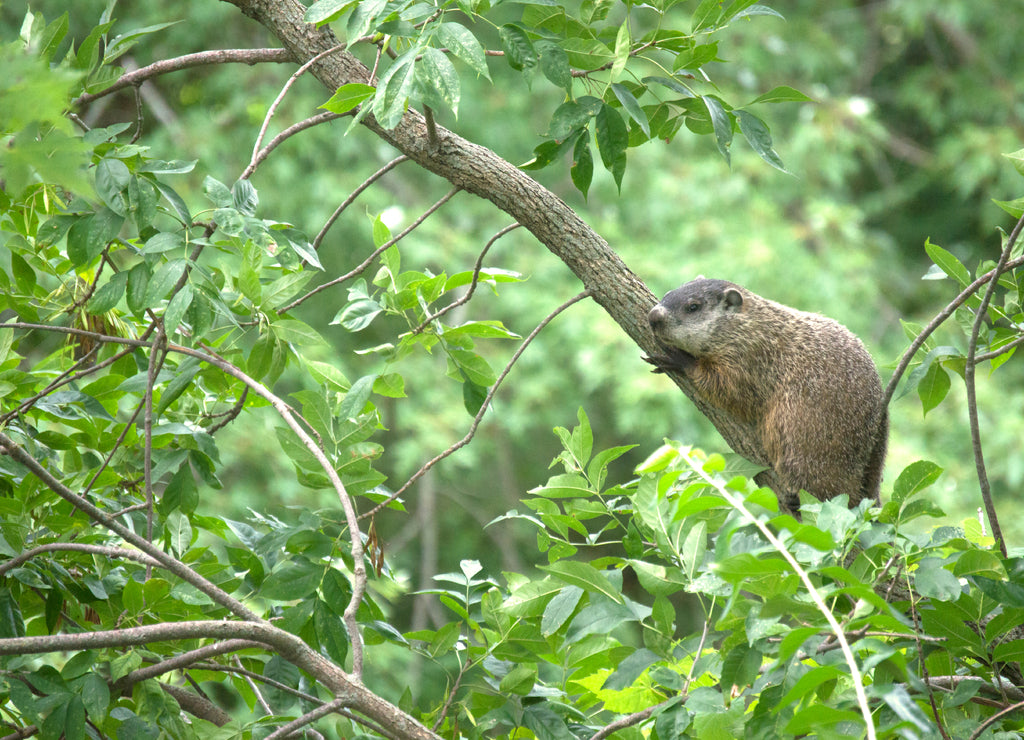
351, 198
262, 154
373, 255
985, 356
972, 399
102, 550
628, 721
472, 286
308, 718
935, 323
358, 561
995, 718
280, 97
202, 58
179, 662
483, 407
156, 361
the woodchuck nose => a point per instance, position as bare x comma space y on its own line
800, 381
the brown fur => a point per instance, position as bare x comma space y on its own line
801, 381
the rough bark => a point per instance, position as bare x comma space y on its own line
480, 171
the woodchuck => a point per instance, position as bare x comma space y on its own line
800, 381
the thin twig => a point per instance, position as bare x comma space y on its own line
102, 550
972, 398
472, 285
308, 718
935, 323
483, 407
373, 255
284, 91
184, 660
353, 195
262, 154
995, 718
629, 720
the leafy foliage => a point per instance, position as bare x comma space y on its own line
643, 79
138, 323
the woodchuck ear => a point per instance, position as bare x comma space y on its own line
733, 299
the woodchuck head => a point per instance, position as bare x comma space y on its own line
690, 317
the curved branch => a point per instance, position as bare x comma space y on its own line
483, 407
199, 59
348, 692
972, 399
105, 551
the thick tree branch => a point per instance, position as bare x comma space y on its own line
480, 171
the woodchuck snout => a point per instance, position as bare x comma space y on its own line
803, 383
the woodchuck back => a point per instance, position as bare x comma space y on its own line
802, 382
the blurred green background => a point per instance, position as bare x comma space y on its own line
914, 104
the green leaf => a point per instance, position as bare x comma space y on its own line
622, 47
932, 580
292, 580
357, 396
756, 132
348, 96
463, 44
325, 11
560, 609
364, 14
473, 396
331, 632
176, 308
629, 670
519, 51
554, 63
948, 263
612, 139
89, 236
585, 576
933, 387
165, 278
705, 16
108, 294
394, 90
296, 332
632, 107
582, 170
438, 81
721, 123
915, 478
520, 680
782, 94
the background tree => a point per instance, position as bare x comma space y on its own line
195, 361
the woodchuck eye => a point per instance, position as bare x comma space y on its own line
692, 307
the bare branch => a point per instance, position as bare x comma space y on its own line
262, 154
629, 720
472, 286
280, 97
199, 59
103, 550
373, 255
972, 399
351, 198
483, 407
179, 662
